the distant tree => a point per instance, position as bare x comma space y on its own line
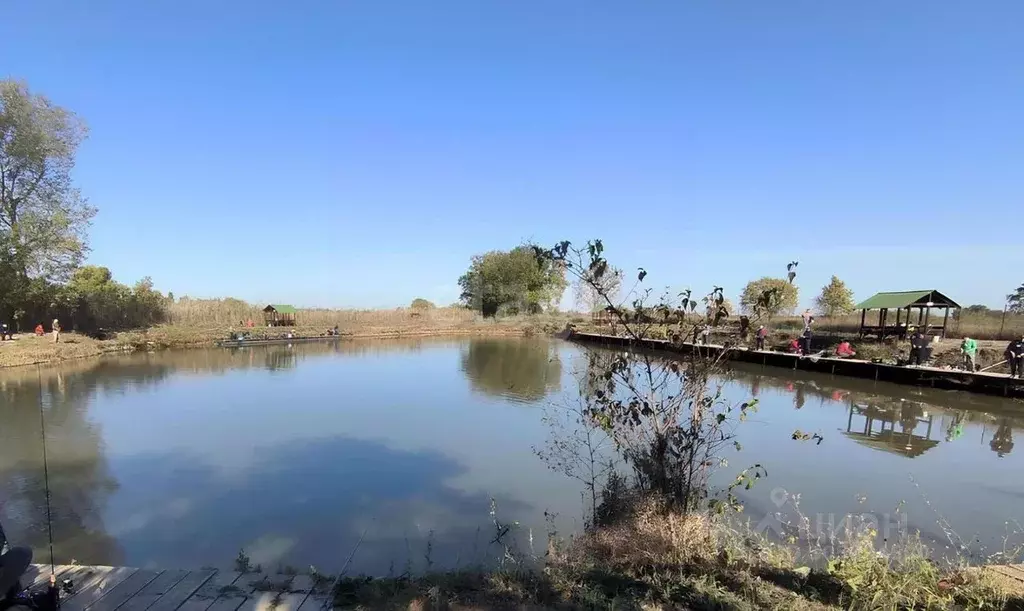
512, 282
590, 299
769, 297
835, 299
97, 300
977, 309
1015, 300
422, 304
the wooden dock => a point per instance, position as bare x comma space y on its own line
934, 377
108, 588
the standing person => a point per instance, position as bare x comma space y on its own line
4, 332
808, 318
968, 348
705, 334
762, 334
1014, 354
56, 331
805, 340
916, 347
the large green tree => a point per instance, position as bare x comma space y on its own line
43, 217
835, 299
512, 282
784, 296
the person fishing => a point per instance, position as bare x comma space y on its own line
760, 336
1014, 355
14, 561
968, 348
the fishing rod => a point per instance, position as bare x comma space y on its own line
52, 592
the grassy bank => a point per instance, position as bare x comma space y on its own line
655, 560
27, 349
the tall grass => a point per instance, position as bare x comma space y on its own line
227, 312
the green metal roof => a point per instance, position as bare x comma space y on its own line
281, 308
902, 299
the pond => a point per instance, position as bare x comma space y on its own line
406, 451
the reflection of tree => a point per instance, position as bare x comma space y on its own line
280, 358
527, 369
1002, 441
79, 481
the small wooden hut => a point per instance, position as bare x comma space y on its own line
923, 301
279, 315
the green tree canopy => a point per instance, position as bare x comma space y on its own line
835, 299
785, 298
512, 282
98, 300
422, 304
43, 217
977, 309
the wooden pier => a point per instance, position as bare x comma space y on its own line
934, 377
108, 588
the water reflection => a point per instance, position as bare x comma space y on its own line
524, 369
1002, 441
178, 459
80, 482
883, 412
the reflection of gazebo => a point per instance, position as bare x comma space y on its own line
922, 301
905, 443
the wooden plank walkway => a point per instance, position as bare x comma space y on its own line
109, 588
1009, 576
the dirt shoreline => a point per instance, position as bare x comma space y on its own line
29, 349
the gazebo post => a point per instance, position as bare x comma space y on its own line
945, 319
927, 313
863, 315
881, 323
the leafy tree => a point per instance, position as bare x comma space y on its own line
666, 417
977, 309
512, 282
43, 217
835, 299
97, 300
1015, 300
589, 299
769, 297
422, 304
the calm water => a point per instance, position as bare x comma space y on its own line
180, 459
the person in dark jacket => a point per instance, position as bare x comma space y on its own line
14, 561
1014, 355
918, 343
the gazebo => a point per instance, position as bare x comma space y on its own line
923, 301
279, 315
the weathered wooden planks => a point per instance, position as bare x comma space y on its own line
119, 594
156, 589
180, 592
105, 588
97, 582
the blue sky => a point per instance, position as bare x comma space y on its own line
357, 154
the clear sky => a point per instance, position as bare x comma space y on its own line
356, 154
